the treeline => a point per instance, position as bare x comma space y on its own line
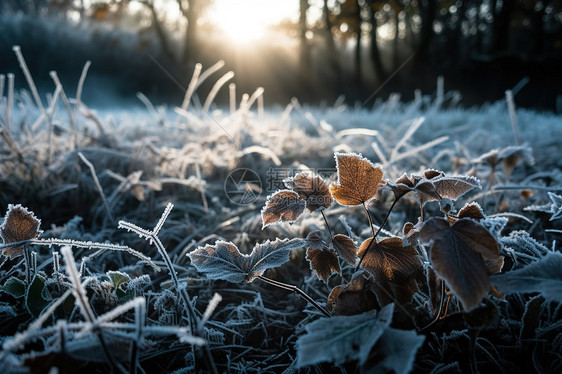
350, 47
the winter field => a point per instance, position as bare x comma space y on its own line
248, 239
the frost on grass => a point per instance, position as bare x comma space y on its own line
142, 160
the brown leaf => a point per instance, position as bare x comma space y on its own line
401, 186
323, 262
359, 180
345, 248
455, 186
410, 232
457, 256
284, 205
19, 225
352, 298
313, 190
394, 267
471, 210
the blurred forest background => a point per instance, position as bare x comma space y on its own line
327, 48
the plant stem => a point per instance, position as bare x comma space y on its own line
373, 229
370, 220
327, 225
296, 290
27, 262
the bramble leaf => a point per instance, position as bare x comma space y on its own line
20, 224
345, 248
283, 205
342, 338
359, 180
542, 276
323, 262
312, 189
352, 298
394, 266
224, 261
458, 254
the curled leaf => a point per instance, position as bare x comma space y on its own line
359, 180
323, 262
457, 256
345, 248
284, 205
224, 261
19, 225
311, 189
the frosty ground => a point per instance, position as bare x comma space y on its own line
85, 172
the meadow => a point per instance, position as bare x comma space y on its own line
415, 236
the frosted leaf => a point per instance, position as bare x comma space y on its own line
393, 266
544, 276
458, 255
342, 338
19, 225
224, 261
311, 189
398, 349
345, 248
556, 207
323, 262
284, 205
359, 180
456, 186
471, 210
315, 240
353, 297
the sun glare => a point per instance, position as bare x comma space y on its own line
246, 21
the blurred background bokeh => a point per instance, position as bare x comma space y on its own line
315, 50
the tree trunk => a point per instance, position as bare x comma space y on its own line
427, 13
358, 64
305, 60
331, 49
375, 52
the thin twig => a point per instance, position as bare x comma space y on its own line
296, 290
98, 185
327, 225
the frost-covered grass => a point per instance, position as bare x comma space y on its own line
125, 195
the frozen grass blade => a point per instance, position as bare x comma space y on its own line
207, 73
77, 288
71, 117
112, 314
216, 87
10, 101
217, 298
79, 89
191, 87
257, 93
512, 115
29, 78
232, 97
152, 237
98, 185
